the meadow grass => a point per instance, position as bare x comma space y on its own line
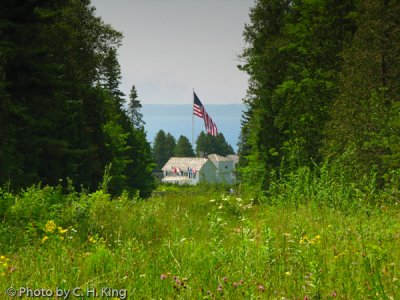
197, 243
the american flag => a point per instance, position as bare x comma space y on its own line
198, 110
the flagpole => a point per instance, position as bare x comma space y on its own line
192, 121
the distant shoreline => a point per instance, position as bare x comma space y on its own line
177, 119
183, 104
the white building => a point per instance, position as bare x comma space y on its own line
192, 170
234, 158
224, 168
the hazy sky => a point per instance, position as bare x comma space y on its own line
173, 46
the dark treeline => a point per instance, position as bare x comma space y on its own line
207, 144
324, 89
61, 111
165, 146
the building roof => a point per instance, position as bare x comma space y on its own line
184, 162
216, 157
233, 157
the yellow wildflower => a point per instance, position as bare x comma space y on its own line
303, 239
51, 226
44, 239
315, 240
2, 257
61, 230
288, 273
92, 240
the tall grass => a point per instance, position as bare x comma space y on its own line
309, 239
331, 187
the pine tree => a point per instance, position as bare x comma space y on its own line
293, 67
362, 132
61, 110
207, 144
134, 107
163, 148
260, 137
140, 169
30, 84
183, 148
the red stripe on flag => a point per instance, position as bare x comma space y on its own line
198, 110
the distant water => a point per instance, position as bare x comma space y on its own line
177, 120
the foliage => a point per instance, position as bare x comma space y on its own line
323, 88
62, 111
134, 106
183, 148
163, 148
363, 120
207, 144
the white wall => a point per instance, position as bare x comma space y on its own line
207, 173
224, 172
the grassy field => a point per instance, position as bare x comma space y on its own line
195, 243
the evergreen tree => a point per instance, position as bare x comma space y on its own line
30, 84
163, 148
221, 146
293, 68
140, 168
207, 144
315, 32
84, 49
202, 144
363, 132
260, 137
61, 113
134, 107
109, 77
183, 148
